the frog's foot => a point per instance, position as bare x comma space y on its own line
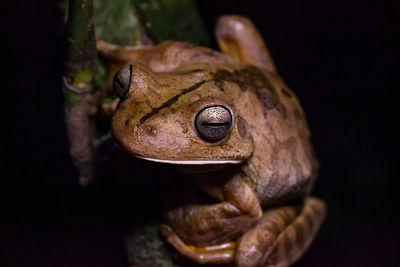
282, 235
239, 38
217, 254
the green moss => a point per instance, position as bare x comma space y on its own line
100, 76
147, 248
172, 20
71, 98
116, 22
82, 79
80, 34
109, 99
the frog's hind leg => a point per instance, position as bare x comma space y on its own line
240, 39
282, 235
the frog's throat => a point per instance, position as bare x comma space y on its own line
193, 162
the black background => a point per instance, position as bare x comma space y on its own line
337, 56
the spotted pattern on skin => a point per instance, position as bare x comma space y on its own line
252, 78
242, 126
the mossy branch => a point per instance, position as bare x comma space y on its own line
79, 71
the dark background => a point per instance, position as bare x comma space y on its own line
337, 56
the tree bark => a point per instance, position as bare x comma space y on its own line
79, 70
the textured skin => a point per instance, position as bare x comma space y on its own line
265, 198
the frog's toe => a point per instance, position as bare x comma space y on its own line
217, 254
282, 235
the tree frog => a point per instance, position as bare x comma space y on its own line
239, 137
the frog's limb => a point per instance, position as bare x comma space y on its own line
122, 54
205, 225
222, 253
282, 235
164, 57
239, 38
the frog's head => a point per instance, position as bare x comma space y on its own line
185, 116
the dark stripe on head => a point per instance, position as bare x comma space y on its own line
253, 78
169, 102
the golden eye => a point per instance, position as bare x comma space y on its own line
213, 123
122, 81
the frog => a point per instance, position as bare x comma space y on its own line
237, 135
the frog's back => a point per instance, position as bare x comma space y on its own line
282, 166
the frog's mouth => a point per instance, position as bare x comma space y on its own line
195, 166
192, 162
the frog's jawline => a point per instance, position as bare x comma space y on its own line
193, 162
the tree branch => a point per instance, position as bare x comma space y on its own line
79, 71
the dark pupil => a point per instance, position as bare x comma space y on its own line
213, 131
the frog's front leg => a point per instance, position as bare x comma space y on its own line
202, 232
281, 236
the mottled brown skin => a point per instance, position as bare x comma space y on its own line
259, 175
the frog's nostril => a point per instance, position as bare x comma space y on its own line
122, 81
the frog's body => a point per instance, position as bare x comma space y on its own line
253, 154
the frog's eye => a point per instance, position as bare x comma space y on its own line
213, 123
122, 81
